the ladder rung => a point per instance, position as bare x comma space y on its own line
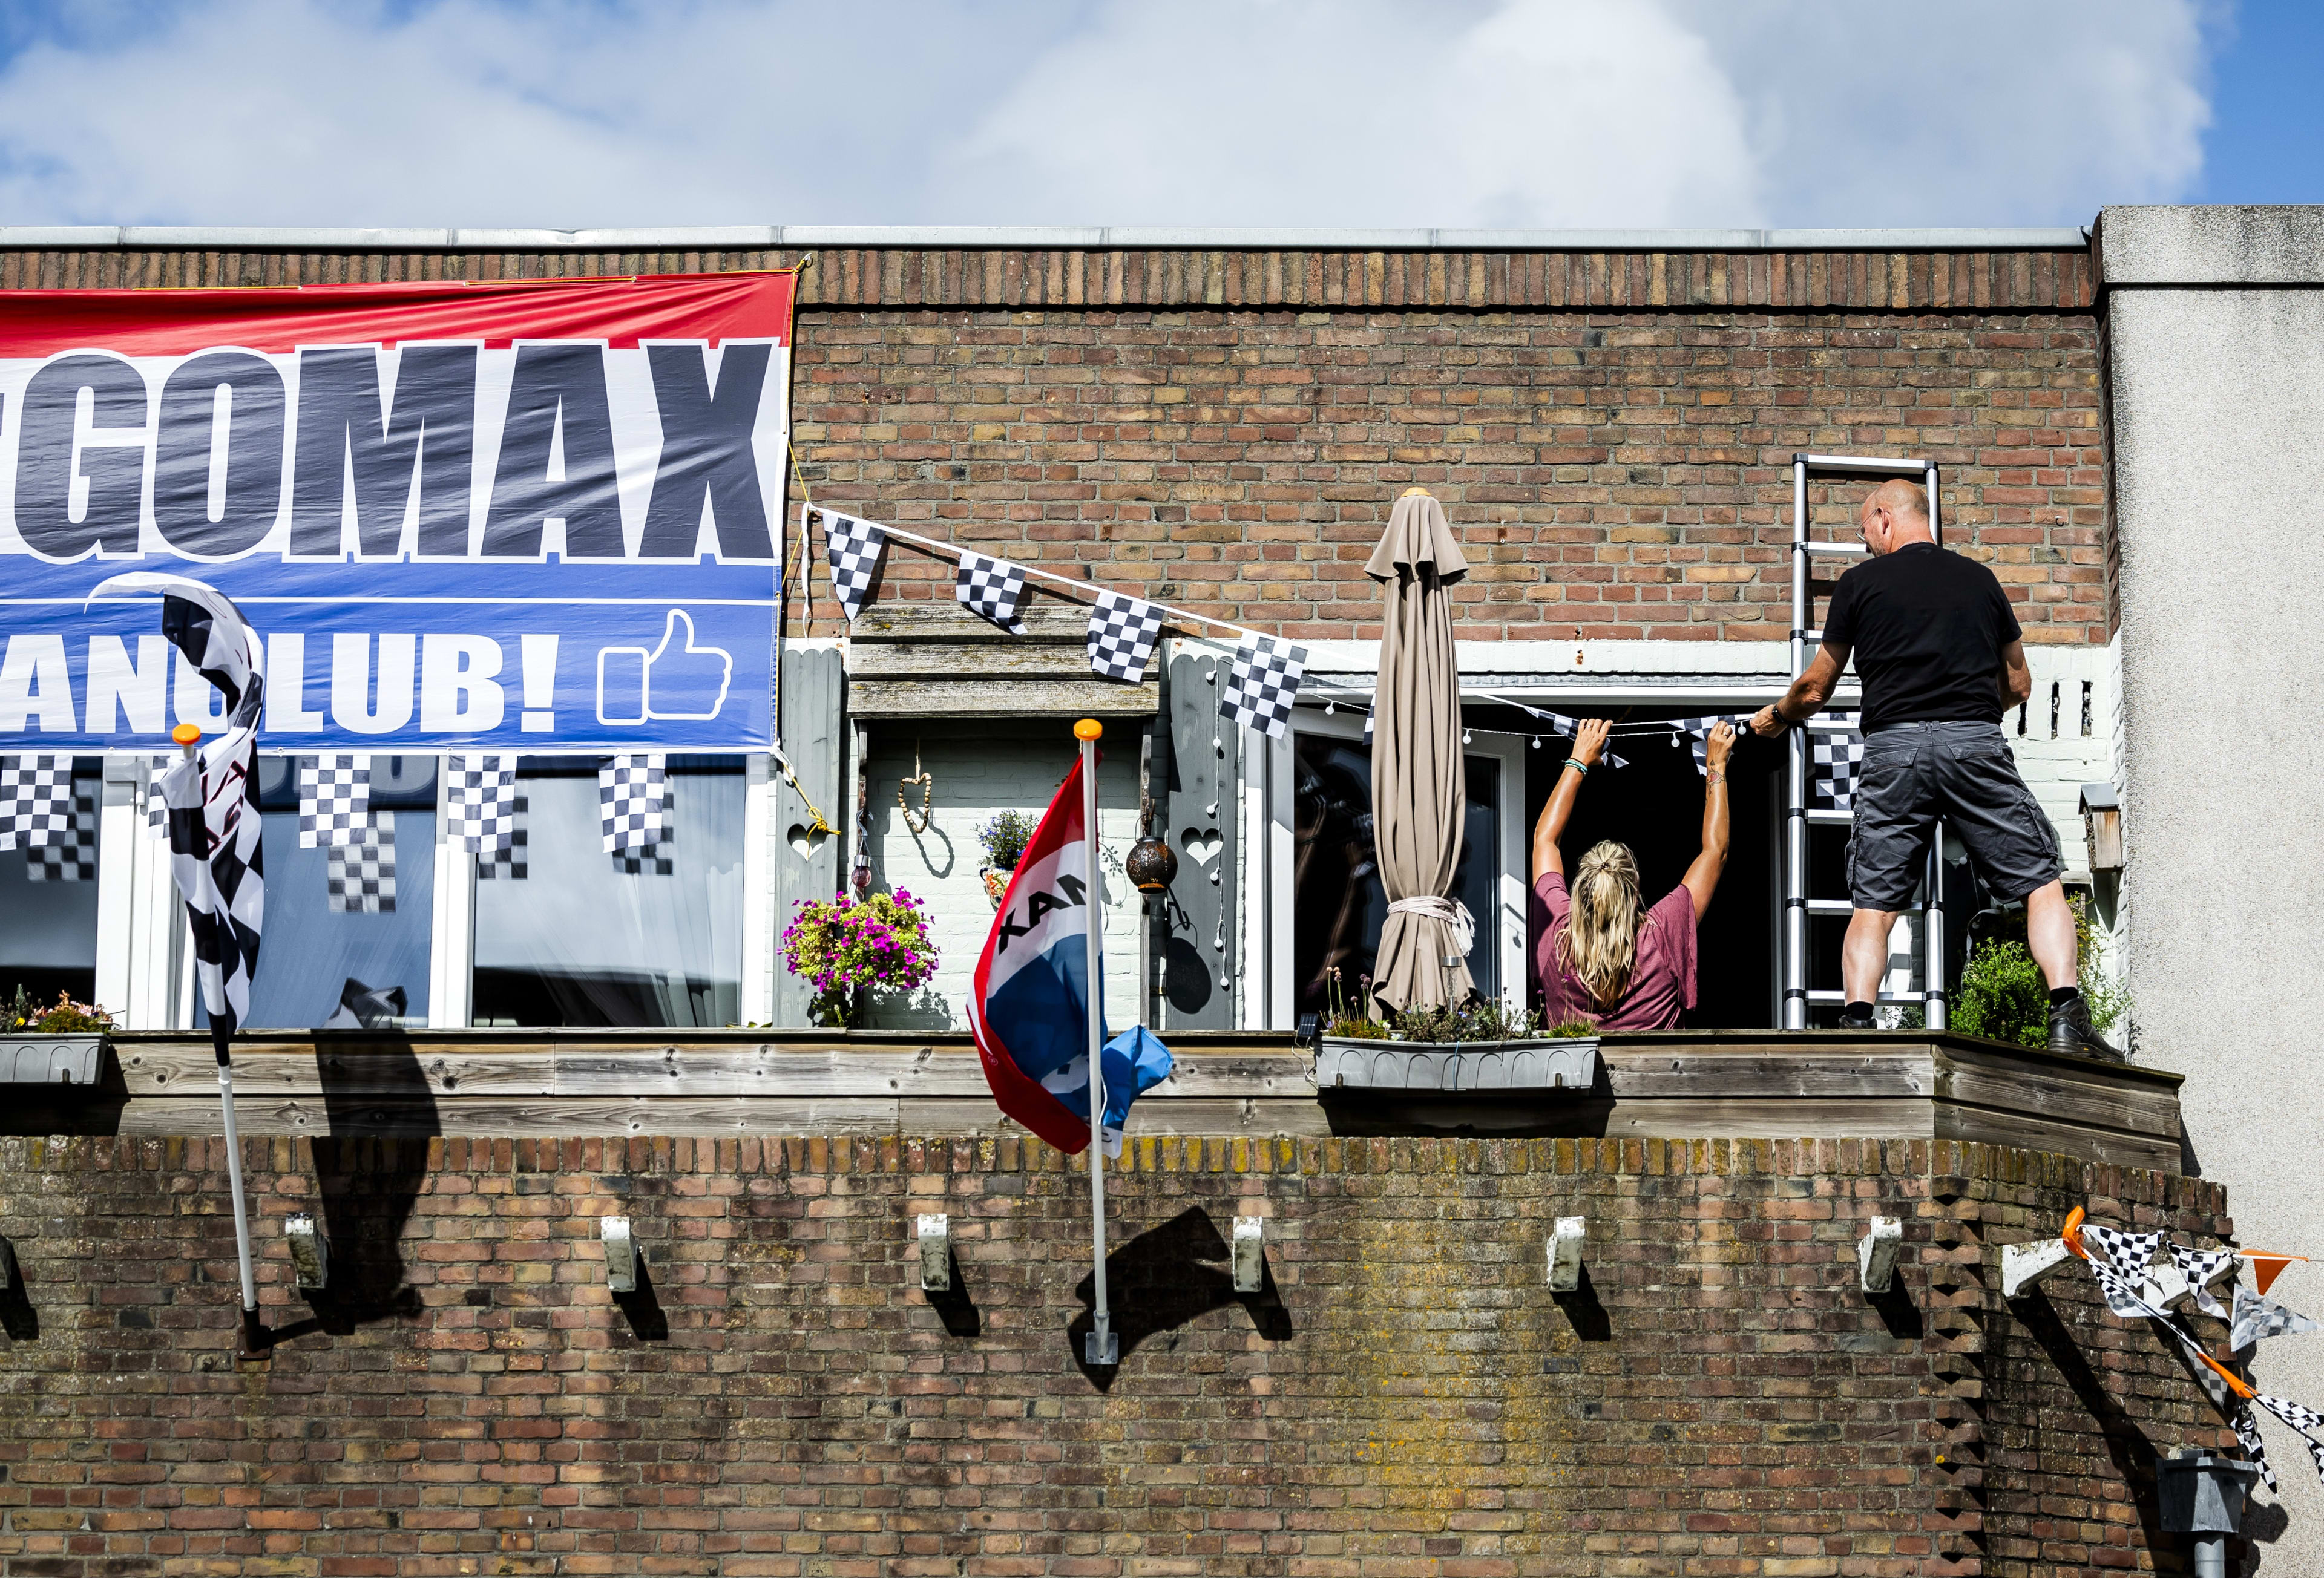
1914, 999
1860, 463
1848, 907
1813, 637
1848, 550
1831, 819
1825, 723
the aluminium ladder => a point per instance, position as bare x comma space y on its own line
1929, 995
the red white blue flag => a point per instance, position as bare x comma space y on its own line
1030, 1003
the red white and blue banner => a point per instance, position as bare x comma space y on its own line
1029, 1003
525, 515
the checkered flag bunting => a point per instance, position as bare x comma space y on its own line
480, 802
2121, 1295
2127, 1254
72, 856
513, 861
2198, 1266
629, 791
333, 799
2301, 1419
991, 589
853, 548
2247, 1429
1122, 632
1264, 686
157, 804
1837, 757
1697, 731
2257, 1317
35, 801
653, 859
361, 871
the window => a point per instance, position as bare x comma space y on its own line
48, 903
567, 934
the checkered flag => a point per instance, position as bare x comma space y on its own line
157, 804
2198, 1266
2126, 1254
991, 589
2247, 1429
653, 859
480, 802
629, 791
1264, 685
333, 799
513, 861
72, 856
361, 872
853, 548
1122, 632
1838, 754
2122, 1294
35, 801
1698, 737
2257, 1317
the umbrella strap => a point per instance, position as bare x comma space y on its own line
1452, 913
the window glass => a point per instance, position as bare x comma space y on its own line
47, 904
1338, 905
567, 934
347, 926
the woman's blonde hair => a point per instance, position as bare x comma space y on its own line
1599, 943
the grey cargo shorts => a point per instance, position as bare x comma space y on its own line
1915, 772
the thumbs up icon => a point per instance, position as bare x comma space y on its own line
674, 683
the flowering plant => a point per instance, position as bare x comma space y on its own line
844, 945
1004, 839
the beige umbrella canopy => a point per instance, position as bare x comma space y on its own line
1420, 791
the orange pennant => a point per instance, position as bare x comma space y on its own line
2266, 1268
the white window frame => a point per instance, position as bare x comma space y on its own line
1509, 919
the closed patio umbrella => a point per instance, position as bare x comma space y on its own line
1419, 781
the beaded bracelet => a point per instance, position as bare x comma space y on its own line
1578, 763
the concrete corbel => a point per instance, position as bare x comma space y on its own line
1250, 1254
1565, 1253
936, 1253
621, 1253
1877, 1251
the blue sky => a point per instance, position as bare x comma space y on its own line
1498, 112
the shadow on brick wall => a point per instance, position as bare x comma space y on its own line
2129, 1446
367, 1187
1164, 1278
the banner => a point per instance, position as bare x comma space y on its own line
526, 515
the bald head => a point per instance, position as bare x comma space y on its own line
1895, 515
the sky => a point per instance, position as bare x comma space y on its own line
1548, 114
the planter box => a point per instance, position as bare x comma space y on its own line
1451, 1067
52, 1059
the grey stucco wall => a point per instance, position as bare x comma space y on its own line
2216, 335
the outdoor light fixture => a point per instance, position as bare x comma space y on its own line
1876, 1254
2025, 1264
935, 1254
621, 1253
1250, 1254
1565, 1253
310, 1252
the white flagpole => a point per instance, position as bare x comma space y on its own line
1101, 1347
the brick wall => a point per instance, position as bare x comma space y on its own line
1614, 474
1405, 1397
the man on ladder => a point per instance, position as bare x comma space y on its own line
1941, 659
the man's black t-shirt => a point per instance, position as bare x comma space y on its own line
1927, 628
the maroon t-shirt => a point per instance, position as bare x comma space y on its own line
1661, 982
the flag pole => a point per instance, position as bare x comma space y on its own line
1101, 1347
254, 1335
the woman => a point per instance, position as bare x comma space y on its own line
1599, 957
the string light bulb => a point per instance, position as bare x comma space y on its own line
1465, 736
1329, 707
1536, 742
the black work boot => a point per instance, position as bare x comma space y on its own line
2071, 1032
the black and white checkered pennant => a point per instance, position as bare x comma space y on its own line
991, 589
654, 860
1698, 737
2298, 1415
853, 548
73, 857
1836, 756
1122, 632
2257, 1317
361, 871
513, 861
1264, 686
630, 802
2122, 1293
35, 801
2245, 1426
480, 802
2198, 1266
333, 799
2127, 1254
157, 805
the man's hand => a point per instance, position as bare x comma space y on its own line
1720, 745
1589, 740
1767, 723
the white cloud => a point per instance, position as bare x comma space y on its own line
1202, 112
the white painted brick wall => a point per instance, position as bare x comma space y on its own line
974, 778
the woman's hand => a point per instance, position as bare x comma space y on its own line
1589, 740
1720, 745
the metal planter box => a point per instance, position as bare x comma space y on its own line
52, 1059
1452, 1068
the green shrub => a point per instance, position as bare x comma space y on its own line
2003, 995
